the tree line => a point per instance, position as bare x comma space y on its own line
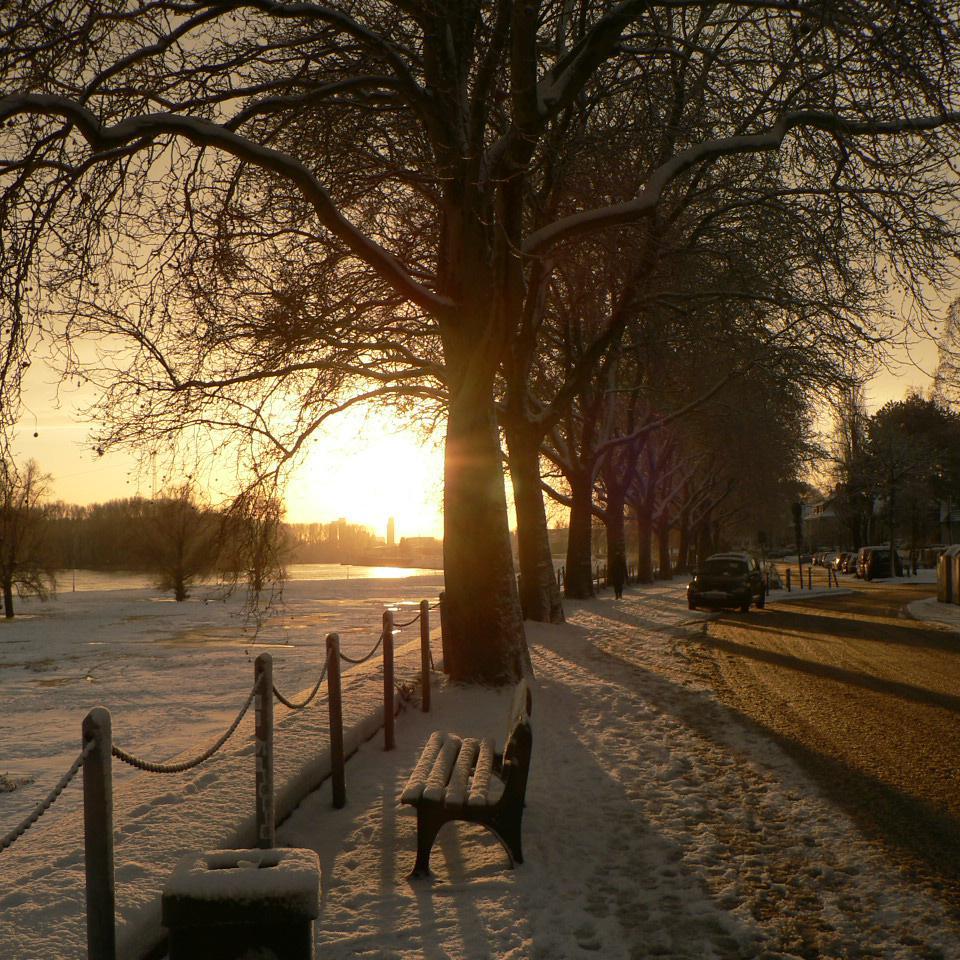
616, 247
175, 536
893, 472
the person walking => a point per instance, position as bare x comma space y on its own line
618, 574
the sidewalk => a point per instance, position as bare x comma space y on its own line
658, 823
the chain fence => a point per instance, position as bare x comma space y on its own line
48, 801
373, 650
150, 767
293, 705
407, 623
181, 766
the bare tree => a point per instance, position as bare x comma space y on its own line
24, 561
254, 544
181, 539
396, 144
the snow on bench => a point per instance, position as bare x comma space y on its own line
464, 779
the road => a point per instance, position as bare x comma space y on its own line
868, 702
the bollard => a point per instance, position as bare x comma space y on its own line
444, 632
788, 580
425, 654
335, 703
98, 835
809, 578
263, 701
388, 741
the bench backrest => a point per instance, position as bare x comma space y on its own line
518, 744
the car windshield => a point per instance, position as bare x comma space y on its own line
725, 567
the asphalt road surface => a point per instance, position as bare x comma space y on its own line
868, 702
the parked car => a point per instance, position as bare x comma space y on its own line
727, 580
840, 560
873, 562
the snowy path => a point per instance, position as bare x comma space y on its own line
658, 824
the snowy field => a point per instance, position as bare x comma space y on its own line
171, 674
657, 823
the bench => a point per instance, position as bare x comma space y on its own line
464, 779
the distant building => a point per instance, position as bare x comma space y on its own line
422, 551
391, 532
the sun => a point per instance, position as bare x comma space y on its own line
366, 468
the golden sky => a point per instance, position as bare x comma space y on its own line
364, 467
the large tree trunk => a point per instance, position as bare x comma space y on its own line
644, 543
579, 583
683, 558
665, 566
539, 593
8, 597
482, 610
616, 543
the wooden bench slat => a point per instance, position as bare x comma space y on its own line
480, 784
440, 772
418, 779
456, 792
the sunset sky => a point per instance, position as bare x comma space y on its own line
364, 468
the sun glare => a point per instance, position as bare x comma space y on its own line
366, 469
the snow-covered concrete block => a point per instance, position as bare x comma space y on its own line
223, 904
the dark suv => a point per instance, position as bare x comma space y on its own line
875, 562
727, 580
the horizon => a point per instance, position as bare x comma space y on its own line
345, 474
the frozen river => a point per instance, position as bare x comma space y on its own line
173, 675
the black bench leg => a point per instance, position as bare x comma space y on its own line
508, 830
428, 826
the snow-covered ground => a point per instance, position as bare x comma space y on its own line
173, 676
932, 611
657, 824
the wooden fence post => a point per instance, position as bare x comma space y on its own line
788, 580
263, 701
425, 654
388, 740
98, 835
335, 703
809, 577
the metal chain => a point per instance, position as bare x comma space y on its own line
376, 647
41, 808
186, 764
299, 706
